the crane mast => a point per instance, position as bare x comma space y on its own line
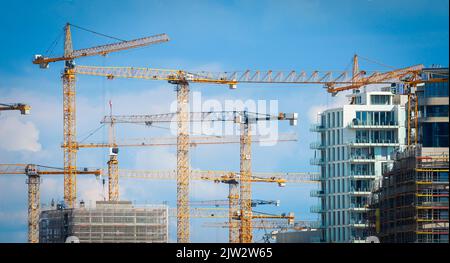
113, 163
69, 123
233, 208
245, 230
183, 166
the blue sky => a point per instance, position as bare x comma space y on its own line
206, 35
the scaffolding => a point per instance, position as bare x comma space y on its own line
410, 205
108, 222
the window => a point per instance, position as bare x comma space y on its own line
362, 136
437, 111
362, 169
437, 89
380, 99
435, 134
328, 120
338, 122
333, 118
374, 118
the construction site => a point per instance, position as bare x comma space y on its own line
380, 178
411, 201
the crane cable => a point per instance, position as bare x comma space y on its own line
97, 33
376, 62
92, 133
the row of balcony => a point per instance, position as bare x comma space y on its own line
352, 176
364, 141
320, 145
360, 124
320, 210
353, 191
352, 159
353, 223
377, 125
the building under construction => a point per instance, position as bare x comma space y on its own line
410, 203
108, 222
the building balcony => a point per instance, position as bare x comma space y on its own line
358, 240
358, 176
373, 125
359, 223
361, 159
316, 193
317, 128
316, 145
367, 142
358, 208
318, 178
316, 161
316, 209
363, 191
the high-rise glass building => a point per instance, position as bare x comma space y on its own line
433, 112
354, 148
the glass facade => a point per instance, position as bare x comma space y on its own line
437, 89
352, 157
375, 136
380, 99
374, 118
436, 111
435, 134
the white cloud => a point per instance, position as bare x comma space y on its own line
337, 101
17, 135
201, 190
89, 190
155, 158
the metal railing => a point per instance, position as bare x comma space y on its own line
316, 161
316, 193
316, 209
360, 123
316, 128
378, 141
316, 145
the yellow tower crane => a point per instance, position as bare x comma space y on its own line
245, 120
23, 108
34, 173
69, 106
